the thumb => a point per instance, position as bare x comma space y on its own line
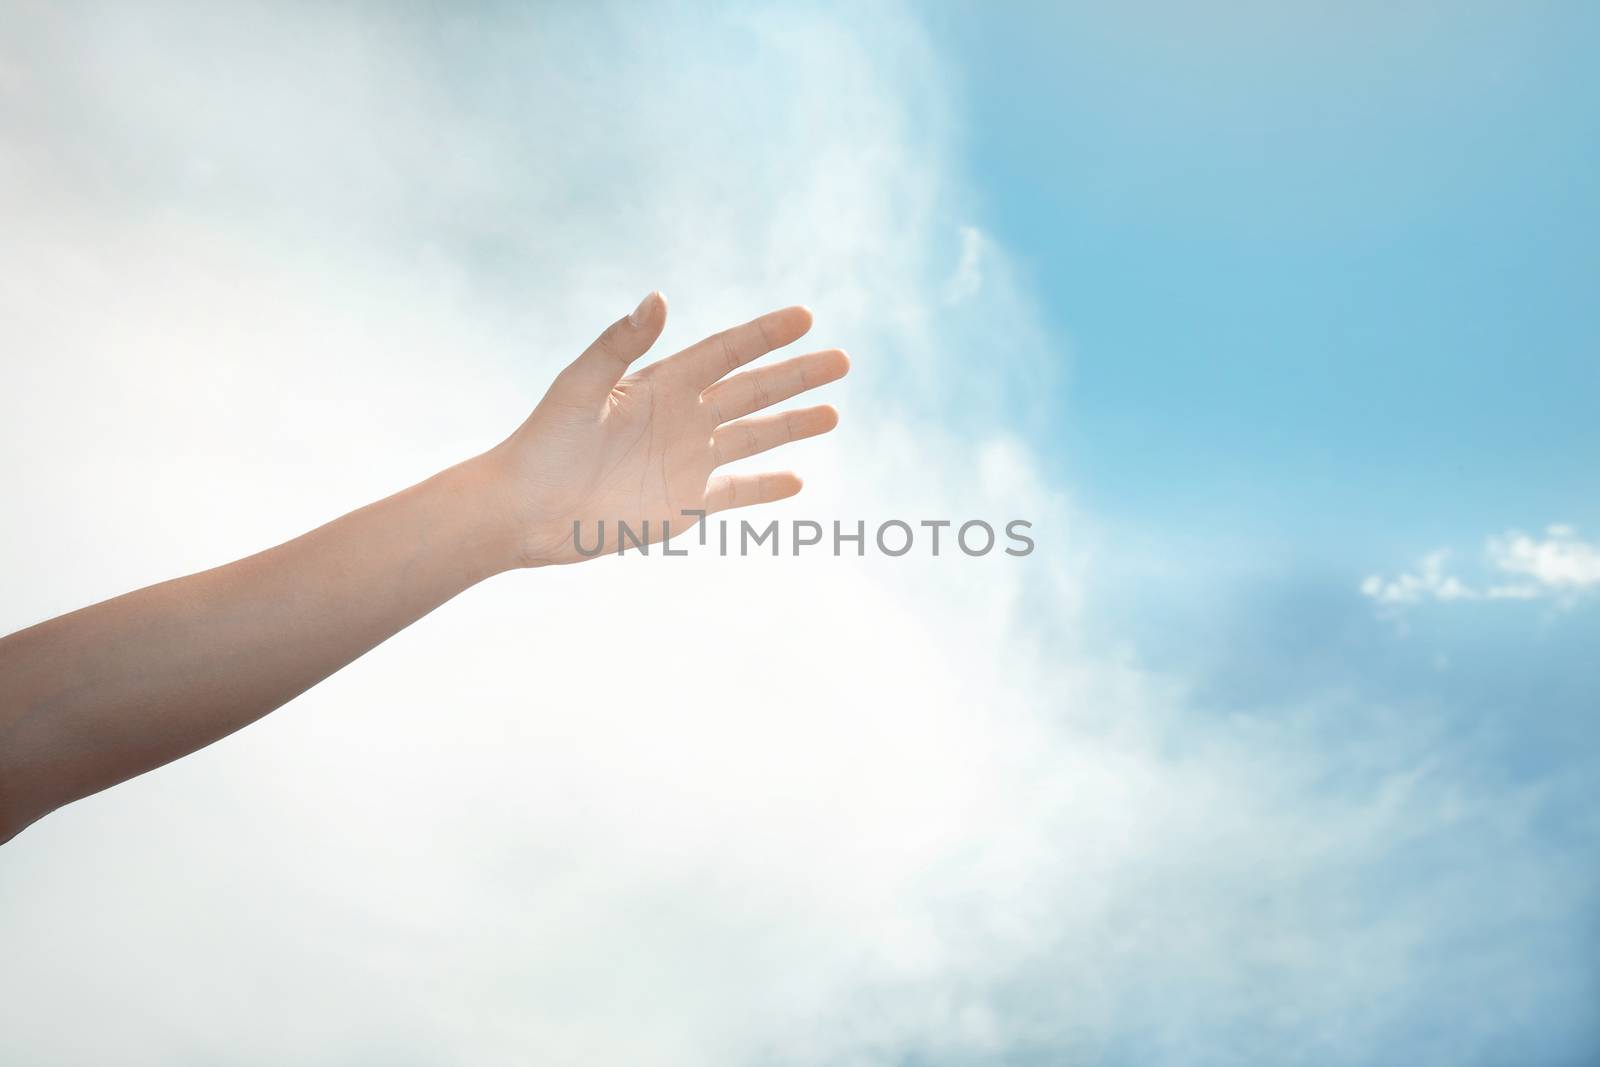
593, 375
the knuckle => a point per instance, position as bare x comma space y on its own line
606, 344
730, 356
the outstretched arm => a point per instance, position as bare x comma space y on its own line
98, 696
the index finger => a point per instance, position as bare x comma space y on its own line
704, 362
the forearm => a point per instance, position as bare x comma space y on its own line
98, 696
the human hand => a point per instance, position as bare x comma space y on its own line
605, 446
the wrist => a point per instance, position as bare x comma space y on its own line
518, 535
476, 491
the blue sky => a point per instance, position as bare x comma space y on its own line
1327, 276
1327, 269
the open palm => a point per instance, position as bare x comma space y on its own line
606, 448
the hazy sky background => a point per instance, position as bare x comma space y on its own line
1277, 323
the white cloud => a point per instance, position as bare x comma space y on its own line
266, 263
1516, 567
1429, 582
1559, 562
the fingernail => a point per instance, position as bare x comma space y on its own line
641, 314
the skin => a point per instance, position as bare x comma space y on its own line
98, 696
